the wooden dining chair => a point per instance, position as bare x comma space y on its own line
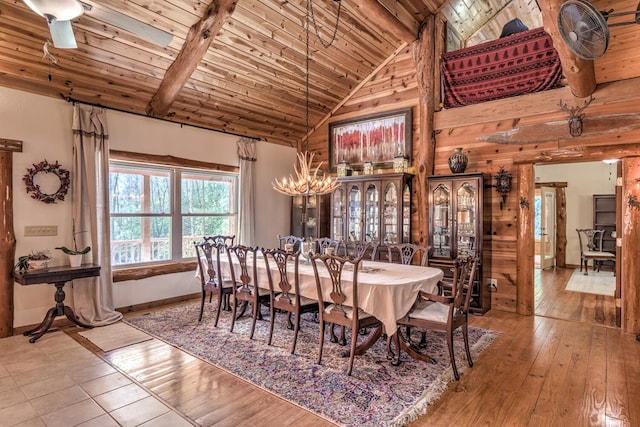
291, 240
408, 253
334, 310
285, 291
443, 313
323, 243
221, 239
208, 255
248, 290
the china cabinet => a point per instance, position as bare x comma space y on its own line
372, 208
456, 226
313, 224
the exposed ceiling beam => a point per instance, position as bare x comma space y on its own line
580, 73
386, 20
199, 39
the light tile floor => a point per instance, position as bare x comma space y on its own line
57, 382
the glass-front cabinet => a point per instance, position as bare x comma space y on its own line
456, 226
376, 208
309, 216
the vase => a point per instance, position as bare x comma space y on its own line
75, 260
458, 161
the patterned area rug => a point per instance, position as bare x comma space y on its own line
596, 282
377, 393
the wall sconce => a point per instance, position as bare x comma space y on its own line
503, 184
524, 203
575, 116
633, 202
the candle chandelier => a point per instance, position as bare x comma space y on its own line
309, 180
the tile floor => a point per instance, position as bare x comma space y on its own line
58, 382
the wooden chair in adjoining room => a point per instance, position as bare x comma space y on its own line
332, 298
285, 291
208, 254
443, 313
290, 240
248, 289
591, 249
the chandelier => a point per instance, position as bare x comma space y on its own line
309, 180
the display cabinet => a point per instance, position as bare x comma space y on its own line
315, 223
604, 218
456, 226
372, 208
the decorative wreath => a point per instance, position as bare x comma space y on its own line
46, 167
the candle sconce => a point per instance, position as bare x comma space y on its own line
503, 185
633, 202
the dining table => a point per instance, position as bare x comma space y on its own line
385, 290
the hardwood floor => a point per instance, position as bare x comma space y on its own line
539, 372
552, 300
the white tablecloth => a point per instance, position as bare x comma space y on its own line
385, 290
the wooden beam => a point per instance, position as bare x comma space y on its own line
423, 51
579, 72
525, 250
578, 154
385, 19
199, 39
170, 160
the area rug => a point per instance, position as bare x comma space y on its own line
377, 393
596, 282
114, 336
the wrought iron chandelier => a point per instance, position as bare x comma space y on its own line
309, 180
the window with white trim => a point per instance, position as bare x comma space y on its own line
158, 212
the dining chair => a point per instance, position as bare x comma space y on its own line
222, 239
323, 243
285, 291
290, 240
591, 249
248, 289
208, 255
443, 313
408, 253
335, 311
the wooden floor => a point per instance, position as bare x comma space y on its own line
551, 300
540, 371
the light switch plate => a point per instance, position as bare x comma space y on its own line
40, 230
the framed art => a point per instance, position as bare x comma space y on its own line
377, 138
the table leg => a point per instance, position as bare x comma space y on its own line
367, 343
411, 350
43, 327
68, 312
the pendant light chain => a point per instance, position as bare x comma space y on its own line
315, 24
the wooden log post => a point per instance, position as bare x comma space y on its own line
630, 267
7, 236
423, 51
525, 299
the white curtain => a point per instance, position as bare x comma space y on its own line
247, 155
92, 297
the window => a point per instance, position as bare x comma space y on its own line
157, 212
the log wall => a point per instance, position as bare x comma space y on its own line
513, 133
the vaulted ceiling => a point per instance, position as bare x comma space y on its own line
251, 79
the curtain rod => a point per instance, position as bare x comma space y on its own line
75, 101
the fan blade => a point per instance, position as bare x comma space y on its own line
127, 23
62, 34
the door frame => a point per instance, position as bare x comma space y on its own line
561, 220
629, 299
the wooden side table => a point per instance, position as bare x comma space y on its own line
57, 276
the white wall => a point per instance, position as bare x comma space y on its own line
583, 181
44, 126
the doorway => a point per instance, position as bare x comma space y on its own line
553, 294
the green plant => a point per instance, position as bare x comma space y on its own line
75, 250
23, 261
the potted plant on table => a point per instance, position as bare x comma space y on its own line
34, 261
75, 254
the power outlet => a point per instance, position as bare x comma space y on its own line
493, 284
40, 230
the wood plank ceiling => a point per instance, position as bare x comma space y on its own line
251, 80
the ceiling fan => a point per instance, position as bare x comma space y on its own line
59, 14
584, 28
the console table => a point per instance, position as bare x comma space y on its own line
57, 276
